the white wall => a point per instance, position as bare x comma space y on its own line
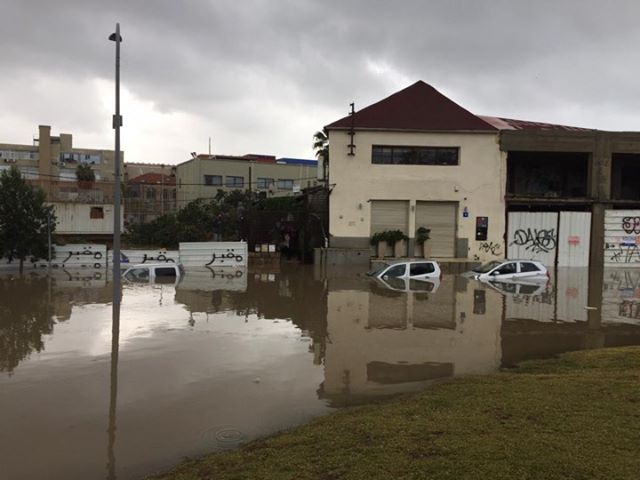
74, 218
477, 183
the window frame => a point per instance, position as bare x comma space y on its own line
379, 152
279, 184
234, 181
209, 180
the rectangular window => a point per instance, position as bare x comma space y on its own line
395, 155
264, 183
96, 213
234, 182
285, 184
211, 180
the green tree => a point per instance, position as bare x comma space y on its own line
23, 219
321, 147
84, 173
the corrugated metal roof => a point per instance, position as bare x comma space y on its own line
512, 124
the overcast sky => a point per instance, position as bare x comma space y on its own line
261, 76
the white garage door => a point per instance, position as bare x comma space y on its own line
440, 218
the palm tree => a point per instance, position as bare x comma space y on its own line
321, 147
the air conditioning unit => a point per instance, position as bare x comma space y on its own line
9, 160
61, 163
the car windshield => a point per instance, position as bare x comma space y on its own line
487, 267
376, 271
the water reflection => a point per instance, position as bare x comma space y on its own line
223, 357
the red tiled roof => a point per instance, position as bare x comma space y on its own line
512, 124
154, 178
419, 107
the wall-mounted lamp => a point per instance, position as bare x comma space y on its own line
359, 206
413, 208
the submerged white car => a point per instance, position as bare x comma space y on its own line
414, 270
154, 273
530, 270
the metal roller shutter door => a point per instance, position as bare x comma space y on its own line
440, 217
389, 215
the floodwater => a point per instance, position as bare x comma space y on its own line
222, 358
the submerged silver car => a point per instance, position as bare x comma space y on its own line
415, 270
530, 270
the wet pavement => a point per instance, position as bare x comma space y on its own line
225, 357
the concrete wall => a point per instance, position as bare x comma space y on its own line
477, 183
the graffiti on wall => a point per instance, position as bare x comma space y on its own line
491, 247
220, 257
536, 240
626, 250
631, 225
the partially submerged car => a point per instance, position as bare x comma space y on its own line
415, 270
530, 270
154, 273
423, 285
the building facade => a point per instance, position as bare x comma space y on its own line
417, 159
486, 187
149, 196
50, 163
204, 175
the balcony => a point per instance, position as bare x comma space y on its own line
71, 192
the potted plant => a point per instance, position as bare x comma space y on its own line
85, 175
378, 241
396, 240
422, 237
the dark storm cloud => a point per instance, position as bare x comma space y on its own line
275, 67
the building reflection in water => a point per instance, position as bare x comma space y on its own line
245, 353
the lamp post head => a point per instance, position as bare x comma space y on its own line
115, 37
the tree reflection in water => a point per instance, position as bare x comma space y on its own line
26, 314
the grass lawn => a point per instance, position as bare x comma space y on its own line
574, 417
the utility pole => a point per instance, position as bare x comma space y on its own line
115, 305
49, 236
117, 123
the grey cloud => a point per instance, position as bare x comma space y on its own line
264, 66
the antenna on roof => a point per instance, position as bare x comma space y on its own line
194, 155
352, 132
209, 146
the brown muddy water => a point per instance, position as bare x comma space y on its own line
220, 359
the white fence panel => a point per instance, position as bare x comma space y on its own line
148, 256
213, 254
622, 238
533, 236
574, 239
79, 255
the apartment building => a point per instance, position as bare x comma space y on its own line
148, 196
50, 163
204, 175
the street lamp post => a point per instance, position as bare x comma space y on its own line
115, 323
117, 123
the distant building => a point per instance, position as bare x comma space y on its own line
204, 175
149, 196
50, 163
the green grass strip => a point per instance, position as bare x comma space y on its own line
574, 417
